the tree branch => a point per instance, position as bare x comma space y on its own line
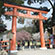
51, 3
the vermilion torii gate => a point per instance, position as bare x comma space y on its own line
15, 13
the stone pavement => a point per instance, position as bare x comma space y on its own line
36, 52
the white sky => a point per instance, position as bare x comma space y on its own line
36, 5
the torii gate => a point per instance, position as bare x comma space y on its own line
15, 13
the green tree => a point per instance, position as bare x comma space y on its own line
2, 26
53, 7
2, 10
46, 23
2, 7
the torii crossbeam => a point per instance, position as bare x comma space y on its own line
15, 13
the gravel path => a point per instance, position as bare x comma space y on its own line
37, 52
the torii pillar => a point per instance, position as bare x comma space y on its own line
13, 43
41, 33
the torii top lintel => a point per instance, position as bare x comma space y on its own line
28, 9
25, 8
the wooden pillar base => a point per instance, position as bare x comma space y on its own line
43, 48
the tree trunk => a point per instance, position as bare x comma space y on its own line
53, 17
51, 3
